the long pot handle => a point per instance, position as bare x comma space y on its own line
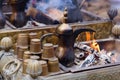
44, 36
18, 65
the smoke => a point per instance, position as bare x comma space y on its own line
43, 5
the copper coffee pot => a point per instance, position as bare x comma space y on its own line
67, 36
18, 17
2, 17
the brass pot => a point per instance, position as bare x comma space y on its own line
48, 51
11, 68
25, 63
22, 40
53, 65
67, 37
6, 43
34, 68
26, 55
35, 46
21, 51
5, 54
44, 67
4, 58
116, 30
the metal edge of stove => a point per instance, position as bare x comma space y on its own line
100, 40
96, 67
66, 70
106, 73
87, 23
98, 26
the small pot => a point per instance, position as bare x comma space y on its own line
48, 51
5, 54
34, 68
22, 40
35, 46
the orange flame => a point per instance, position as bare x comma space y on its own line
95, 45
87, 36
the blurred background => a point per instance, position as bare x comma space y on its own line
99, 7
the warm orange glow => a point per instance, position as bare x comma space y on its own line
93, 35
88, 36
95, 45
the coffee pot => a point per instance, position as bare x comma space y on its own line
2, 17
67, 37
18, 17
6, 54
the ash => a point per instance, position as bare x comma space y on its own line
87, 56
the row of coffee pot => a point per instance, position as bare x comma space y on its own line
27, 52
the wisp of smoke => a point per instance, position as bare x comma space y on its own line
43, 5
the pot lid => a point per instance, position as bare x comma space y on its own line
64, 28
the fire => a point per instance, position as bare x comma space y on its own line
93, 44
88, 36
